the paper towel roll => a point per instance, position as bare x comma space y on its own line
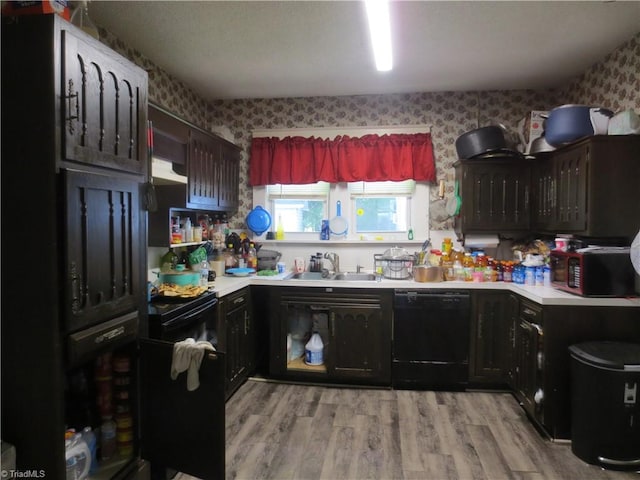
481, 241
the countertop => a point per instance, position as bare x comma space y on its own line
541, 295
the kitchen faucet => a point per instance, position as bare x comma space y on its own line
334, 259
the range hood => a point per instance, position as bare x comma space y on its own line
163, 173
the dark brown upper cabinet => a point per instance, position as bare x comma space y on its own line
589, 188
103, 99
210, 163
103, 244
495, 195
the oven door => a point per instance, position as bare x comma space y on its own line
180, 429
198, 324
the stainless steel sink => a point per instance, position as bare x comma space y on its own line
354, 276
341, 277
309, 276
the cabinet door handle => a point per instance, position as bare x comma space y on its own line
71, 95
75, 280
246, 322
480, 326
333, 324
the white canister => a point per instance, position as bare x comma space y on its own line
313, 353
218, 267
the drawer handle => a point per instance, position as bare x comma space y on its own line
238, 300
110, 335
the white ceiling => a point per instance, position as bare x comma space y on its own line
245, 49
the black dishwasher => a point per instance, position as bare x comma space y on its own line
431, 339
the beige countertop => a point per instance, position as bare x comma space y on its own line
541, 295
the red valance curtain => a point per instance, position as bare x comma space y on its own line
372, 158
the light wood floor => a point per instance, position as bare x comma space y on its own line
282, 431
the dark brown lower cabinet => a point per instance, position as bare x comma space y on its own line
355, 327
238, 340
528, 383
524, 345
491, 330
569, 325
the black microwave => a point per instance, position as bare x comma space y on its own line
594, 272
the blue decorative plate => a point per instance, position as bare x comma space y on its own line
240, 272
258, 220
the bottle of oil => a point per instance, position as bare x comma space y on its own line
446, 262
252, 257
468, 266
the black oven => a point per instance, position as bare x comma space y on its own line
174, 320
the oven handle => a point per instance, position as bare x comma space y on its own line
186, 319
531, 326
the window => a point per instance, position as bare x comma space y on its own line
382, 207
300, 208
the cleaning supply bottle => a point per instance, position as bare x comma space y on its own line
280, 229
313, 350
90, 438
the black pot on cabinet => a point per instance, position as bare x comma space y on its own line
481, 141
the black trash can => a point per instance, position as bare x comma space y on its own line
605, 404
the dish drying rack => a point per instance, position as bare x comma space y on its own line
398, 268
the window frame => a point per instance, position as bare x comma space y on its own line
418, 218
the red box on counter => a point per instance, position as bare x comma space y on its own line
60, 7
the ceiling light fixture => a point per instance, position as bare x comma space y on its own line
380, 30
